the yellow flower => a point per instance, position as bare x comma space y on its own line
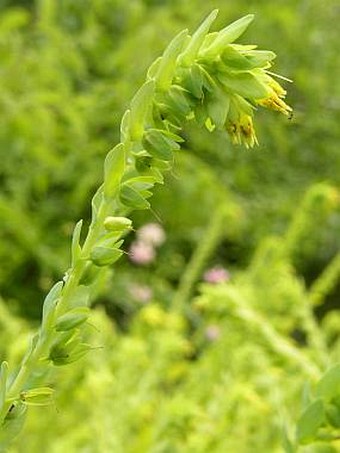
239, 124
242, 131
276, 95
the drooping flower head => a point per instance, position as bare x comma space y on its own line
235, 80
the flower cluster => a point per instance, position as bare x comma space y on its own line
239, 76
143, 249
217, 274
140, 293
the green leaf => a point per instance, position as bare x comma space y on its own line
329, 385
228, 35
140, 183
132, 198
167, 66
34, 340
208, 40
201, 114
72, 319
103, 256
193, 81
140, 106
90, 274
235, 60
80, 297
75, 248
178, 101
145, 165
12, 425
287, 443
333, 415
110, 240
244, 84
50, 303
174, 137
197, 39
153, 69
114, 167
218, 109
208, 82
124, 127
158, 145
3, 383
310, 421
259, 58
96, 202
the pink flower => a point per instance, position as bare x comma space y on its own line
141, 253
141, 293
216, 274
212, 332
152, 233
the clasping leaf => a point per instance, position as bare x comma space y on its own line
114, 167
228, 35
310, 421
167, 64
329, 385
75, 248
190, 53
50, 304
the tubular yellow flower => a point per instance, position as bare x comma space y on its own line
239, 123
275, 100
242, 131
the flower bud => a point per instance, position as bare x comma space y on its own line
103, 256
72, 319
118, 224
68, 349
37, 397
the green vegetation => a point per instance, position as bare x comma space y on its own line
218, 329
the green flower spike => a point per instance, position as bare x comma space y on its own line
204, 78
240, 74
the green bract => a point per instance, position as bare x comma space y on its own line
72, 319
37, 397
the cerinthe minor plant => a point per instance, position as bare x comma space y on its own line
204, 78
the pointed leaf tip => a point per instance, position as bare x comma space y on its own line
190, 53
228, 35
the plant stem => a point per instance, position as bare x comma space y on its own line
202, 253
277, 342
71, 285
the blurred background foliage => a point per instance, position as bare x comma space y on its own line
68, 71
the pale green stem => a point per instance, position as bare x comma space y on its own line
202, 253
71, 284
326, 282
315, 337
277, 342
